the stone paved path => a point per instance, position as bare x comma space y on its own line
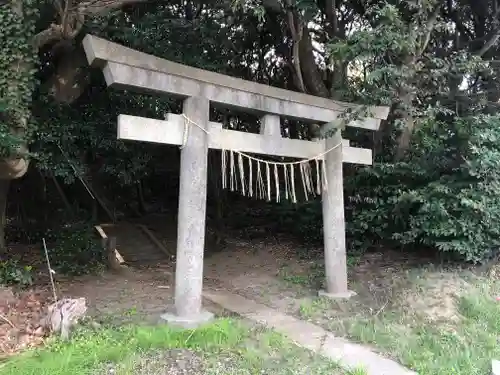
309, 335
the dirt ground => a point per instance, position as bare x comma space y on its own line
269, 271
250, 268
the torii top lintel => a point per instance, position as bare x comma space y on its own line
137, 71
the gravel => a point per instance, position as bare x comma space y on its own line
169, 362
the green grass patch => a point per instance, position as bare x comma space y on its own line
406, 332
87, 351
225, 343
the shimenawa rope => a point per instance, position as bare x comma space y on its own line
263, 185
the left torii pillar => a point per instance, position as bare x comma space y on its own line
188, 312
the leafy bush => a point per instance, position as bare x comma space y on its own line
460, 211
446, 196
75, 249
303, 219
12, 273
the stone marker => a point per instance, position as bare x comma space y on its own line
125, 68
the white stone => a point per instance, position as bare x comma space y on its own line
495, 367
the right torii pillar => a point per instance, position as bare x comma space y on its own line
334, 223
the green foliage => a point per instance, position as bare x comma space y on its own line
75, 249
12, 273
451, 203
17, 71
460, 211
303, 219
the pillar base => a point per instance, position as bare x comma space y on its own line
187, 322
343, 295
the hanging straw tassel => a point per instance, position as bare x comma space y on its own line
277, 182
250, 177
286, 180
241, 167
303, 178
260, 182
307, 178
311, 180
318, 176
292, 180
224, 169
268, 174
232, 177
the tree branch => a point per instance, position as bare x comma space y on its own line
76, 14
296, 31
99, 7
431, 23
490, 43
52, 34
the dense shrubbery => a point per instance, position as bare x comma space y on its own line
74, 249
13, 273
445, 196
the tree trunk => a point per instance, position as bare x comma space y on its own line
313, 79
404, 138
4, 193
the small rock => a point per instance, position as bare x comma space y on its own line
40, 331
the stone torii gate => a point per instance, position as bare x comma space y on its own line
132, 70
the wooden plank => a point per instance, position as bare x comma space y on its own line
101, 231
153, 238
105, 237
97, 196
107, 225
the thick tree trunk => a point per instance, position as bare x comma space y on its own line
16, 164
4, 193
404, 138
313, 79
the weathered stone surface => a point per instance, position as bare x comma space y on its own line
339, 295
171, 131
131, 69
333, 220
187, 322
192, 211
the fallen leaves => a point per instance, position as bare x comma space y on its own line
21, 315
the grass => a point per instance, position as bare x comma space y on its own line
315, 276
436, 322
226, 347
